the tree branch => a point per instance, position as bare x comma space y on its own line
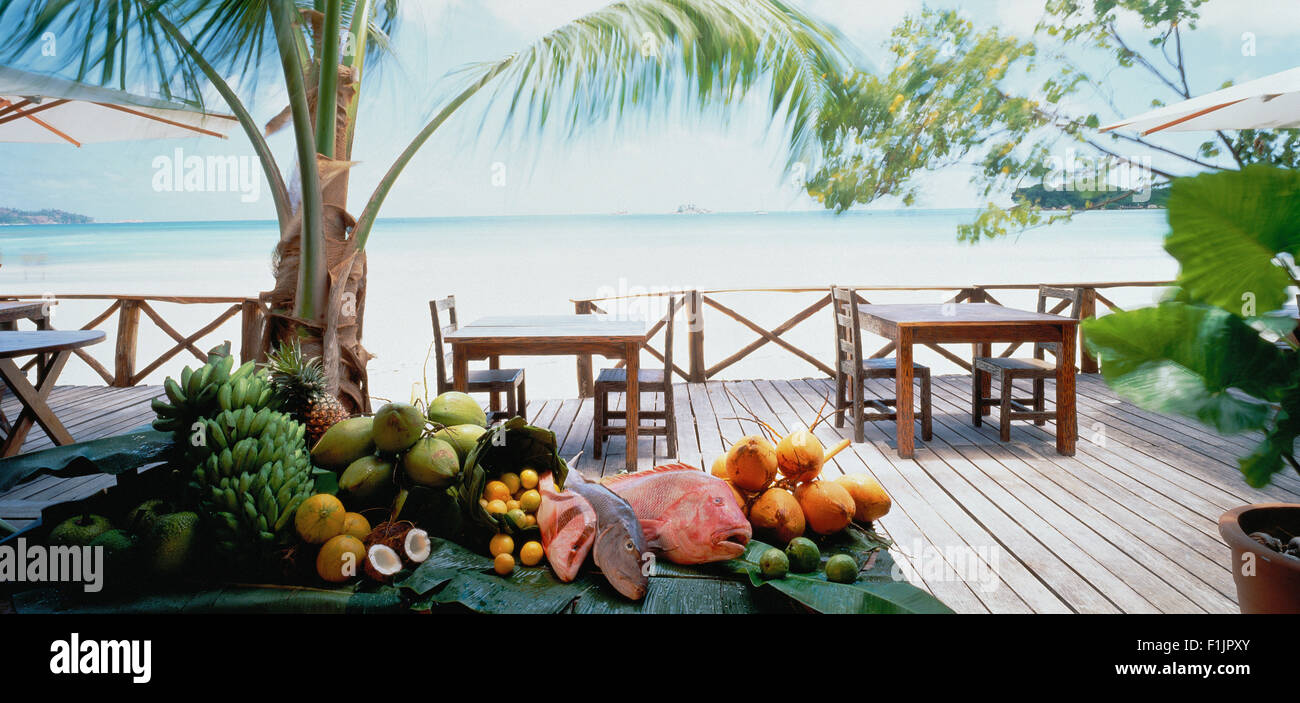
1110, 27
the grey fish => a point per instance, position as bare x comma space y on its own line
620, 547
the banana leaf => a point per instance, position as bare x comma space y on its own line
455, 575
228, 599
107, 455
510, 446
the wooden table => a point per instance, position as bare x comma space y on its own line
552, 335
981, 324
11, 311
56, 346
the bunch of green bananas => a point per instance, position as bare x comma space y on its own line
253, 481
198, 394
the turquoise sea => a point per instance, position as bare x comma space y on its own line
498, 265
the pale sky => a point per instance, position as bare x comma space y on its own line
735, 166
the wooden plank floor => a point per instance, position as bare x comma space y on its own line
1128, 524
89, 412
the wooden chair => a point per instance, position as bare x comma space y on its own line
852, 372
1008, 369
651, 381
494, 381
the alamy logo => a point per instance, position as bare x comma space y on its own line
74, 656
23, 563
207, 174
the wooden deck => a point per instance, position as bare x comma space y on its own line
1126, 525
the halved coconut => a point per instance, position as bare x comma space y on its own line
416, 547
382, 562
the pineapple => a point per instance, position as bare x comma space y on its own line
300, 386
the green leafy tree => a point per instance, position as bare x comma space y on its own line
1014, 107
627, 58
1210, 352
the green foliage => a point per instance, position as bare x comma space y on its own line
1204, 354
957, 94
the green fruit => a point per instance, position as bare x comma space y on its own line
396, 427
173, 542
804, 555
367, 479
80, 530
841, 569
343, 443
773, 564
462, 437
516, 518
119, 561
431, 462
142, 518
456, 408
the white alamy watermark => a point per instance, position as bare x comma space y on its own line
626, 301
77, 656
36, 563
926, 562
178, 173
1110, 175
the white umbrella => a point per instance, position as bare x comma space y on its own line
1271, 102
35, 108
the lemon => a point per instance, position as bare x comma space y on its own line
530, 501
842, 569
512, 504
497, 507
530, 520
511, 479
517, 518
496, 490
503, 564
501, 544
531, 553
528, 478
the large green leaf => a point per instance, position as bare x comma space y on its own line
227, 599
1227, 229
108, 455
1198, 361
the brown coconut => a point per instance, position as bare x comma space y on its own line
776, 514
800, 455
827, 506
870, 500
382, 563
719, 467
751, 463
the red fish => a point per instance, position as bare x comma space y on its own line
568, 525
687, 515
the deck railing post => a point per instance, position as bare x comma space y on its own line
586, 381
250, 341
1087, 310
695, 335
128, 328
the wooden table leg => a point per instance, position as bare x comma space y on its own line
494, 400
459, 370
986, 380
904, 410
34, 408
1067, 427
632, 357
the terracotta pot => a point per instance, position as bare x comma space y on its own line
1274, 585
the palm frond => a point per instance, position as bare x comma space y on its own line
639, 55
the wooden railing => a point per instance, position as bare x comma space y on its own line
126, 367
696, 301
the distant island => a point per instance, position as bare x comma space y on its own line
1080, 199
691, 209
10, 216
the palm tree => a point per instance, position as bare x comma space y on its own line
629, 56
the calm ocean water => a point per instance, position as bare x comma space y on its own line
536, 264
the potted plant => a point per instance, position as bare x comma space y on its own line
1213, 352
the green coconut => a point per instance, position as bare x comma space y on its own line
368, 480
431, 462
462, 437
80, 530
343, 443
396, 427
455, 408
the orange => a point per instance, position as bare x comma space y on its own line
503, 564
501, 544
496, 490
531, 553
319, 518
340, 558
356, 524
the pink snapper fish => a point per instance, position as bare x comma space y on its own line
689, 516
